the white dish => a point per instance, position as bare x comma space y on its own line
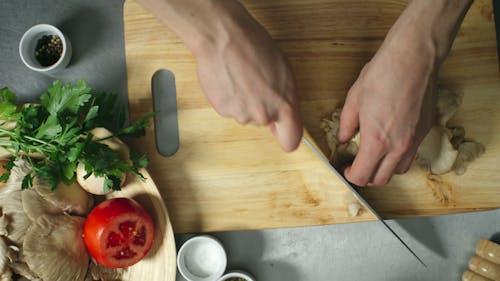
202, 258
28, 44
237, 273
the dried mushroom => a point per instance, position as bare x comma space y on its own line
70, 199
54, 248
443, 149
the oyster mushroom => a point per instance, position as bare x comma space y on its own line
102, 273
54, 250
35, 206
442, 150
69, 198
13, 213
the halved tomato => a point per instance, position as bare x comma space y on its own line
118, 232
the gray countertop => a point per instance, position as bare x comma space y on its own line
358, 251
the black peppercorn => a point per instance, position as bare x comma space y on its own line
48, 50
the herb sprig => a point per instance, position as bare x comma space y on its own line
54, 136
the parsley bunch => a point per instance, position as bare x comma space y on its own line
54, 135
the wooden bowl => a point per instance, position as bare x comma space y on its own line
160, 263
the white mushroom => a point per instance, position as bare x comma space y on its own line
95, 184
54, 248
69, 198
436, 151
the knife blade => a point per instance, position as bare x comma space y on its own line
355, 190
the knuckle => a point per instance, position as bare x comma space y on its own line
261, 117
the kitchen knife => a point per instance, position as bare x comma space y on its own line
307, 139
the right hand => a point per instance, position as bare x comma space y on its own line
245, 76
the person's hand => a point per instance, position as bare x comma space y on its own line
393, 101
242, 72
245, 76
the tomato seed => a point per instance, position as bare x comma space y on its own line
127, 228
125, 253
140, 237
114, 239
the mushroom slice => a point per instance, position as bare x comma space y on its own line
54, 250
69, 198
35, 206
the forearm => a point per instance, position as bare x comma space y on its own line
199, 24
433, 23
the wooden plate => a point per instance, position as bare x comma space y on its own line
160, 264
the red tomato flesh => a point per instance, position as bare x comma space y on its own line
118, 233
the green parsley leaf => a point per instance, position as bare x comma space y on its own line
59, 98
50, 128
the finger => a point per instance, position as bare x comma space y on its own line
386, 169
405, 163
349, 118
366, 162
288, 127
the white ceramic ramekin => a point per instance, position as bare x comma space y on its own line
28, 44
202, 258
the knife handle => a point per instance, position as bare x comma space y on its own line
488, 250
471, 276
165, 107
485, 268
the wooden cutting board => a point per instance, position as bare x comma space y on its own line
227, 177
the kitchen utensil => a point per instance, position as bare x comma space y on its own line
307, 139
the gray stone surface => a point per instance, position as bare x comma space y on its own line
95, 29
360, 251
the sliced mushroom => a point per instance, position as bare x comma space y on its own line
71, 198
35, 206
54, 248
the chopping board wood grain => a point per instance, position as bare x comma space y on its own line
226, 176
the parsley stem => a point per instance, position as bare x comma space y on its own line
40, 141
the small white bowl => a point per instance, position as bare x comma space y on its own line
28, 44
202, 258
237, 273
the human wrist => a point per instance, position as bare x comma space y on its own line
436, 22
202, 25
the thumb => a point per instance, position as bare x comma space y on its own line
288, 128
